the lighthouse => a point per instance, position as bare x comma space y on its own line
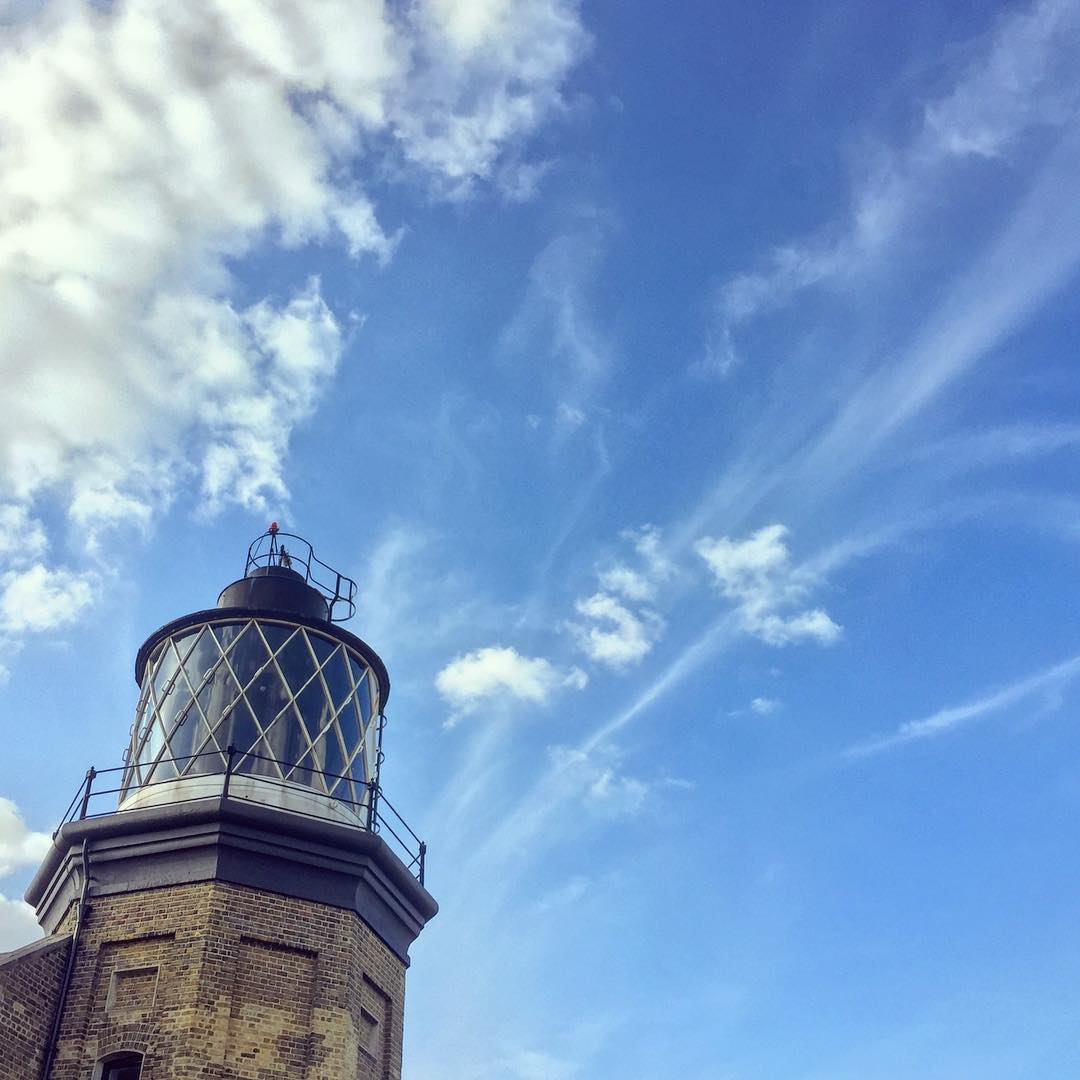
236, 898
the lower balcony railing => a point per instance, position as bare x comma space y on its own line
245, 779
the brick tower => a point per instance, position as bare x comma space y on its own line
226, 904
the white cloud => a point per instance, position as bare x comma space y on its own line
648, 544
484, 74
499, 672
22, 539
757, 575
147, 146
18, 926
617, 637
1047, 683
37, 598
743, 564
19, 846
626, 582
654, 567
764, 706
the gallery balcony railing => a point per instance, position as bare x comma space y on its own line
270, 550
373, 813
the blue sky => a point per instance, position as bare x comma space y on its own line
692, 394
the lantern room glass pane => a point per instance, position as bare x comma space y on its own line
183, 643
373, 685
337, 680
165, 769
286, 740
248, 656
201, 658
363, 695
167, 664
295, 663
217, 695
267, 695
152, 745
321, 647
259, 762
305, 773
330, 758
313, 709
143, 723
349, 725
238, 729
275, 634
358, 768
174, 705
184, 738
230, 634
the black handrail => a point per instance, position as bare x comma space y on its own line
368, 809
266, 550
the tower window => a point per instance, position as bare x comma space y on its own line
122, 1067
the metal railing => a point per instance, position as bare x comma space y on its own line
269, 550
374, 812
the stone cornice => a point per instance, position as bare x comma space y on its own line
243, 843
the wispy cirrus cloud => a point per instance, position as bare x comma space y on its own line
600, 783
1022, 80
557, 318
1046, 684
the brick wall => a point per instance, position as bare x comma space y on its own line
29, 987
217, 980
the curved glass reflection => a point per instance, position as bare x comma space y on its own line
298, 706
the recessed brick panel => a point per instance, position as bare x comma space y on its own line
270, 1020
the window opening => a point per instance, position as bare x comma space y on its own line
122, 1067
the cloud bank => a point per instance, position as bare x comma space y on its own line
19, 846
145, 147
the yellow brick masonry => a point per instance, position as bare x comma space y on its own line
222, 981
29, 986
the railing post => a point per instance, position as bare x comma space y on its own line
372, 808
231, 751
90, 774
423, 857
